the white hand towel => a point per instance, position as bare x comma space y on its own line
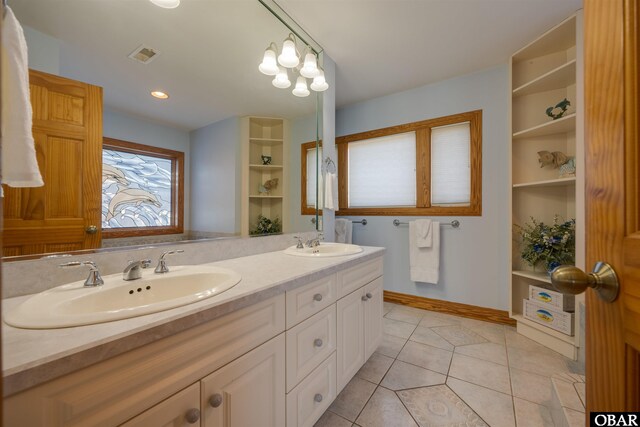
331, 191
19, 164
424, 263
344, 228
424, 237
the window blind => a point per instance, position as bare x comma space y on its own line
382, 171
451, 164
311, 178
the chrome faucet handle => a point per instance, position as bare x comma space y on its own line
133, 270
162, 268
94, 278
300, 245
320, 235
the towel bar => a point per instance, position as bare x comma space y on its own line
362, 221
455, 223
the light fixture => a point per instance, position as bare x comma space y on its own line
159, 94
281, 80
310, 67
289, 57
319, 83
269, 66
166, 4
301, 88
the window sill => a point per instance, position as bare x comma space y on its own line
433, 211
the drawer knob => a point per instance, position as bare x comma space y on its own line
317, 342
368, 295
317, 297
192, 416
317, 397
215, 400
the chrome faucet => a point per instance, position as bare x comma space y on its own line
312, 243
133, 271
300, 245
162, 268
94, 278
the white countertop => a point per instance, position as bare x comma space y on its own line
32, 356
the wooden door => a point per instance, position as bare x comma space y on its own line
372, 317
350, 314
180, 410
612, 201
249, 391
67, 128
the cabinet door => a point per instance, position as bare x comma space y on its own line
180, 410
372, 317
350, 336
249, 391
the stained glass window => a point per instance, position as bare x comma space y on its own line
137, 188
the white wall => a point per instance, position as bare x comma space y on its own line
43, 51
474, 257
216, 177
126, 127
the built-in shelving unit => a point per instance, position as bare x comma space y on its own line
264, 136
544, 73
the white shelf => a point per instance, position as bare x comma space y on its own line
266, 141
264, 197
266, 167
562, 125
532, 275
556, 334
560, 182
559, 38
558, 78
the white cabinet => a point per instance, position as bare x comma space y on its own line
249, 391
308, 401
180, 410
359, 329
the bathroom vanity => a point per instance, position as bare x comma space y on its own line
275, 350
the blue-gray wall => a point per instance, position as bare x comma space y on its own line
216, 177
473, 257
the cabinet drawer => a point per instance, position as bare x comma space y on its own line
175, 411
307, 300
309, 343
308, 401
355, 277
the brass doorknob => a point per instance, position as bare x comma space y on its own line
92, 229
571, 280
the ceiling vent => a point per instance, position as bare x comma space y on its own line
144, 54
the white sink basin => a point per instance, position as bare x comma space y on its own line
325, 250
76, 305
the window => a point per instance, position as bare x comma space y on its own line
309, 175
142, 190
431, 167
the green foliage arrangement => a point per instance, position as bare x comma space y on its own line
551, 245
267, 226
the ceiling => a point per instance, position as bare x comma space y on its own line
386, 46
210, 49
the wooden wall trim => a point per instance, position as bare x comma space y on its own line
448, 307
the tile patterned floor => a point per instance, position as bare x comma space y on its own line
434, 369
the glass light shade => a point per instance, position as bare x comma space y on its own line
319, 84
281, 81
310, 68
166, 4
289, 58
269, 65
301, 88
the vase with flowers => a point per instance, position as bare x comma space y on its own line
549, 245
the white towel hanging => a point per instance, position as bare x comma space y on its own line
331, 191
424, 263
19, 163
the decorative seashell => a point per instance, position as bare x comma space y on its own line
555, 159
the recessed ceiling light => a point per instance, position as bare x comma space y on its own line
159, 94
166, 4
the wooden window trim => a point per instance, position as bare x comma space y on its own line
177, 189
423, 168
304, 209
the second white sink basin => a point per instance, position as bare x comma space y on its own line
325, 250
76, 305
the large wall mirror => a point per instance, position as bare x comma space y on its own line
219, 156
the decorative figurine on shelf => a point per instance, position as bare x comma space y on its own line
266, 226
559, 110
558, 160
269, 185
568, 169
266, 160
